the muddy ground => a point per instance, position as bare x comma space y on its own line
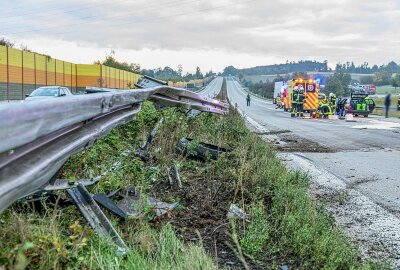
201, 217
286, 141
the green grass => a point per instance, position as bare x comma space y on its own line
45, 242
387, 89
380, 102
392, 113
285, 226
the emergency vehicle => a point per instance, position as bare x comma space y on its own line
311, 88
278, 88
359, 104
369, 89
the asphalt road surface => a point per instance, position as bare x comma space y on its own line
365, 154
213, 88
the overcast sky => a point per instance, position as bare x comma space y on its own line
211, 34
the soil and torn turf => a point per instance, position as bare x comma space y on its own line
203, 218
373, 228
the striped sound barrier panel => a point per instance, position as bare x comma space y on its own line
22, 71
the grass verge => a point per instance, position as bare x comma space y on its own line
387, 89
284, 226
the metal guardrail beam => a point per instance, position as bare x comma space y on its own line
36, 138
24, 122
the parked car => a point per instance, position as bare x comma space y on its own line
48, 92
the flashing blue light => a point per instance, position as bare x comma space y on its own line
318, 80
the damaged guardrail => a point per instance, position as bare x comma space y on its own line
37, 137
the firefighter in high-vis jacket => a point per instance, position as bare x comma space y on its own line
301, 98
328, 108
278, 102
293, 99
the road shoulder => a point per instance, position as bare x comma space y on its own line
373, 228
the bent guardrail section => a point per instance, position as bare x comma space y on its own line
38, 137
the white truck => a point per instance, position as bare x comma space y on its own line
277, 90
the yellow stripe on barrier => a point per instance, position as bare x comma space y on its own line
311, 101
26, 70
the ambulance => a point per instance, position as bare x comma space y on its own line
311, 87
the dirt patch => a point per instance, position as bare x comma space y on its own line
363, 181
285, 140
201, 216
289, 142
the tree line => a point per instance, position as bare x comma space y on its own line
338, 83
288, 67
349, 67
166, 74
169, 74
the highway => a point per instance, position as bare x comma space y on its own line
364, 154
213, 88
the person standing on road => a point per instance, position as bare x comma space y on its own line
248, 99
387, 105
293, 100
300, 102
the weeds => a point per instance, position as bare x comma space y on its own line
286, 227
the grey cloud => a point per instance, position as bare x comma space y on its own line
289, 29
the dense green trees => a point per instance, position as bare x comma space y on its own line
383, 77
169, 74
338, 84
349, 67
396, 81
110, 61
288, 67
6, 42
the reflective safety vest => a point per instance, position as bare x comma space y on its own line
325, 109
294, 97
301, 98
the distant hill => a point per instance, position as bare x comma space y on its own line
289, 67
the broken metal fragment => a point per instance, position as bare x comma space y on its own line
96, 218
60, 184
143, 152
110, 205
177, 176
135, 205
235, 212
202, 151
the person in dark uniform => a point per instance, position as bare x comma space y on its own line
387, 105
293, 99
301, 98
248, 99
